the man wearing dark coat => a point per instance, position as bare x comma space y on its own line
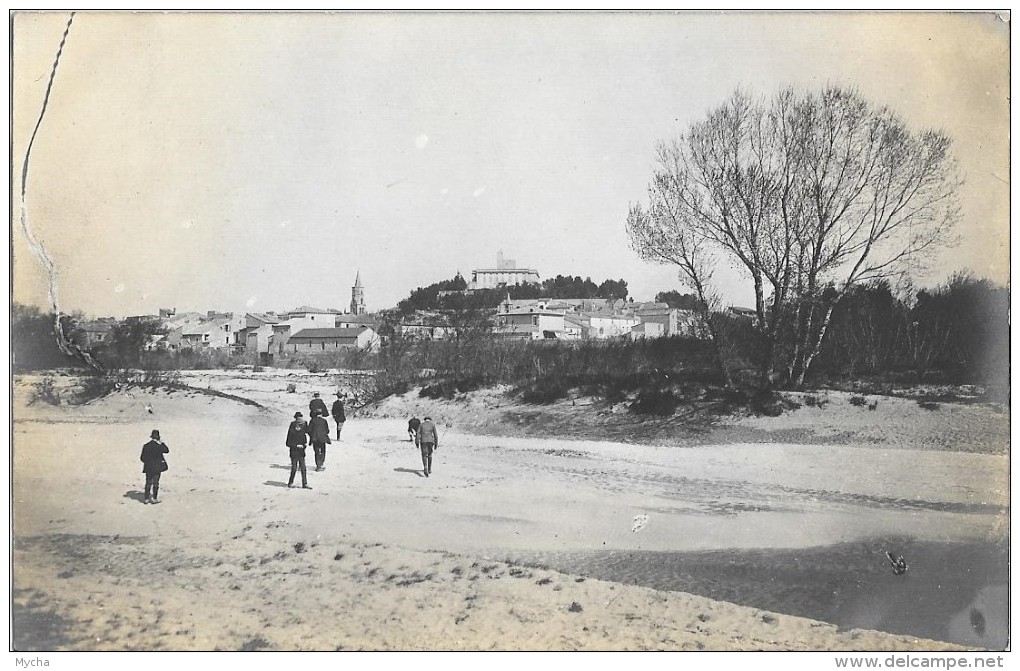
338, 414
318, 433
297, 441
317, 405
153, 465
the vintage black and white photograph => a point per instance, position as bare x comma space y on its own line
510, 331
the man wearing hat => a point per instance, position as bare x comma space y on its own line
318, 433
317, 405
338, 414
297, 441
153, 465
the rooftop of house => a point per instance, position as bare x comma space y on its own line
96, 326
518, 313
329, 333
203, 327
348, 318
606, 314
307, 309
650, 306
264, 317
573, 320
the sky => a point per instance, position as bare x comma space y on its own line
257, 162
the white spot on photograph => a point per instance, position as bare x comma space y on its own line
421, 141
479, 191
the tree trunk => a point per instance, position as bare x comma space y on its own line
720, 360
71, 349
817, 345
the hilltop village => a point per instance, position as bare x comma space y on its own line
310, 330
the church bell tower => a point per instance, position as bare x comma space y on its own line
358, 297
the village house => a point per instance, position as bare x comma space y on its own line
309, 317
208, 334
257, 335
331, 339
421, 331
351, 320
92, 333
275, 330
743, 313
648, 329
531, 325
216, 330
574, 327
576, 305
608, 317
608, 324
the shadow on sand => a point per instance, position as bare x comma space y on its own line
408, 470
135, 495
275, 483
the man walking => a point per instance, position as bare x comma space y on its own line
297, 441
317, 405
428, 440
318, 433
338, 414
153, 465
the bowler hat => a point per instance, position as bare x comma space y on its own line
297, 414
154, 434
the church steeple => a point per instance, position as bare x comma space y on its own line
358, 296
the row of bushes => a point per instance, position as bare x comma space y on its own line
542, 372
91, 387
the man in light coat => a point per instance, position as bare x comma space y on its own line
427, 439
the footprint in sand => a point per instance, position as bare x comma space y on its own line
640, 521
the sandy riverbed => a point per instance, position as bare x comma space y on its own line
518, 541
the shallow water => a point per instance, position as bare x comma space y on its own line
954, 592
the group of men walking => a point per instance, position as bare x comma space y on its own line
316, 430
299, 434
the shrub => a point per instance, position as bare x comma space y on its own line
544, 391
661, 402
814, 402
770, 404
858, 400
442, 389
291, 388
45, 392
95, 386
928, 405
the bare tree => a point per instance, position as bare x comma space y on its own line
876, 200
659, 235
805, 191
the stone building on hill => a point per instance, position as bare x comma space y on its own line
506, 273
